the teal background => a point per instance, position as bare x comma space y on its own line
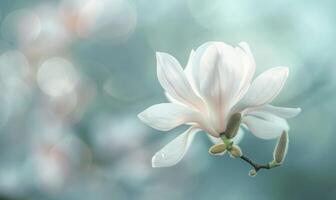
92, 144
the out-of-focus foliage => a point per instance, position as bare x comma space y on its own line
75, 73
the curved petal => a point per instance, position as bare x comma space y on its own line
265, 125
175, 150
166, 116
188, 71
173, 80
247, 71
246, 48
193, 68
283, 112
171, 99
264, 88
226, 74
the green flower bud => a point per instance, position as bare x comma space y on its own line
252, 173
233, 125
280, 150
235, 151
218, 149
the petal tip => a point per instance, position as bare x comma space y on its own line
299, 110
284, 70
156, 162
153, 162
158, 53
243, 44
159, 56
141, 116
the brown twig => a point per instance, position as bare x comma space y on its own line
256, 166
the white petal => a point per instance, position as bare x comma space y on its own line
236, 139
264, 88
167, 116
172, 78
280, 111
264, 125
225, 74
188, 69
248, 52
171, 99
249, 65
175, 150
193, 69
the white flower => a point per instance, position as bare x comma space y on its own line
216, 83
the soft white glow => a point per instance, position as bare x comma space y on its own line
51, 168
64, 105
222, 15
112, 134
13, 64
22, 26
53, 37
107, 19
57, 77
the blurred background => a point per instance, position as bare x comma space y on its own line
75, 73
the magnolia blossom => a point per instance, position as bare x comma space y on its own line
215, 84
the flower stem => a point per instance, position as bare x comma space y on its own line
257, 166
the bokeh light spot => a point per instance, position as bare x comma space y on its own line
57, 77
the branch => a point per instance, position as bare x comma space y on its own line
257, 166
236, 152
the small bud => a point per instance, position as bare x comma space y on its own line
233, 125
280, 150
217, 149
252, 173
236, 151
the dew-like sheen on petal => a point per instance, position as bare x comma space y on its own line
175, 150
172, 78
283, 112
166, 116
265, 126
264, 88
